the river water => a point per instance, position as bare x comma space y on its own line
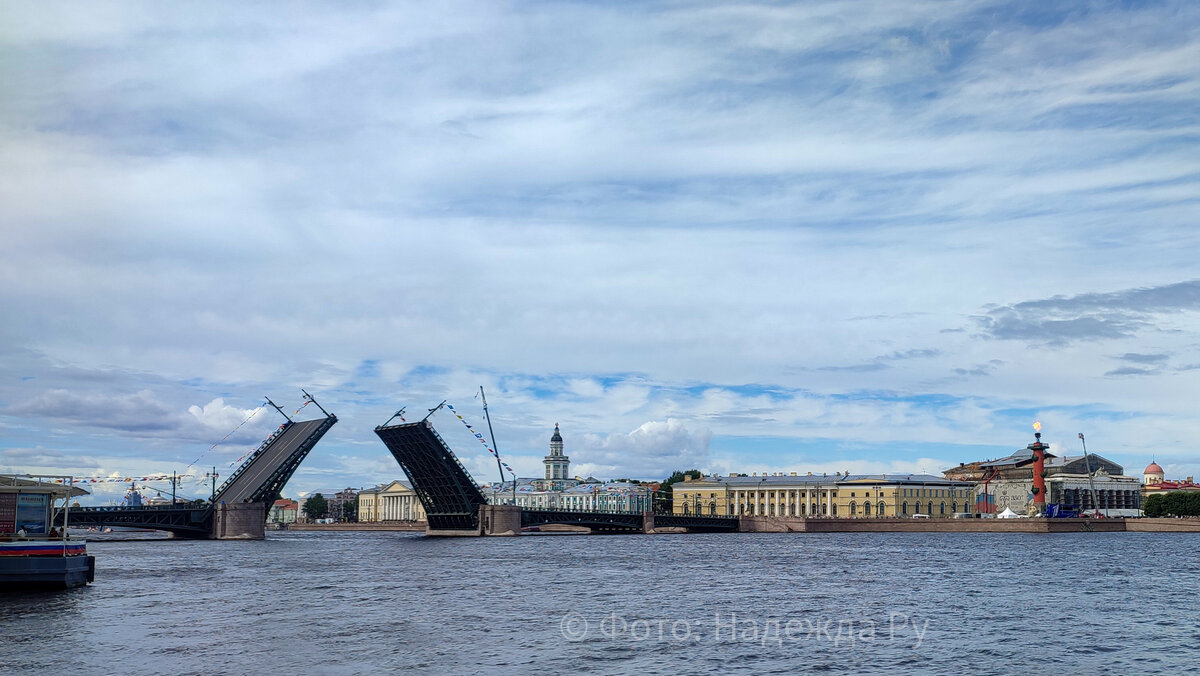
366, 603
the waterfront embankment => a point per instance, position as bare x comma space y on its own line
769, 524
766, 524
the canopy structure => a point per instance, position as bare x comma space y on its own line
1008, 514
11, 483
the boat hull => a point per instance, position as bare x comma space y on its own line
32, 567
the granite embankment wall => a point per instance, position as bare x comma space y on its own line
1188, 525
763, 524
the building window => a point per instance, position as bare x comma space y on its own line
904, 509
712, 508
943, 508
866, 509
853, 508
879, 510
685, 508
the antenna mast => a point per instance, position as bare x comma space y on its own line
276, 407
309, 397
1091, 483
398, 414
434, 410
496, 451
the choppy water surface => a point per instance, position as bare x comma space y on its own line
351, 603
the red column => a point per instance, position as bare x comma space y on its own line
1039, 472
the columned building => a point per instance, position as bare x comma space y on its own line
840, 495
1086, 484
557, 464
619, 496
393, 502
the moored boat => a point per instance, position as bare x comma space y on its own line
33, 553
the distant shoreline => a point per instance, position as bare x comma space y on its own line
764, 524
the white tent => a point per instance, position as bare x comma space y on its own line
1008, 514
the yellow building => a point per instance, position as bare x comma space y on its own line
847, 496
392, 502
881, 495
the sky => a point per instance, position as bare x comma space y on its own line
821, 236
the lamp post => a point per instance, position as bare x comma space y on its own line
1091, 483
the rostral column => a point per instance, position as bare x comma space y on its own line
1039, 470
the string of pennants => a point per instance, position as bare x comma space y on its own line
187, 473
127, 479
479, 436
232, 432
268, 440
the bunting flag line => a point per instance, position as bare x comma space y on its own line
306, 403
126, 479
471, 429
264, 444
231, 433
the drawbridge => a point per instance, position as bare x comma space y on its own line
453, 502
446, 491
238, 509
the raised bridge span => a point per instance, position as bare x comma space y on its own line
454, 504
239, 507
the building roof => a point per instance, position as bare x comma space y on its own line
1015, 460
10, 483
1154, 468
903, 479
809, 479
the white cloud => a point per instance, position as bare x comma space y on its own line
605, 216
653, 450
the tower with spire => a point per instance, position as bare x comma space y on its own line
556, 463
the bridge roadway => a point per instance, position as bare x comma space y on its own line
262, 471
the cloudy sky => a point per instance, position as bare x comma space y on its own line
824, 236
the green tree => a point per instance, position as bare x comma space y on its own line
1174, 503
664, 502
316, 506
350, 510
1153, 506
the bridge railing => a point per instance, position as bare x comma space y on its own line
578, 510
257, 452
144, 508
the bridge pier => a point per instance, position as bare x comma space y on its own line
648, 522
242, 521
500, 519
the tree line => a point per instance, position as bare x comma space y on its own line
1175, 503
317, 507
